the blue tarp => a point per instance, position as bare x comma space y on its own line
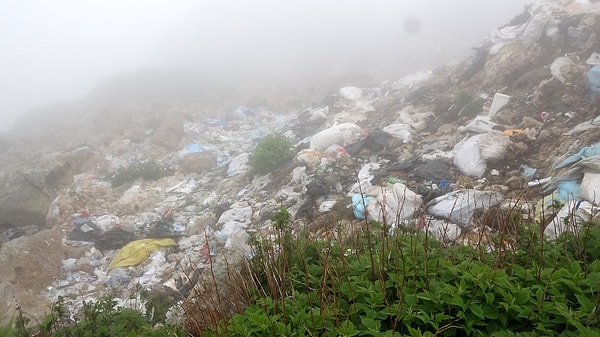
586, 152
593, 81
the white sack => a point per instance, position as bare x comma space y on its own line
394, 204
590, 187
494, 145
340, 134
468, 158
459, 206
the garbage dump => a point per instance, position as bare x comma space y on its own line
518, 125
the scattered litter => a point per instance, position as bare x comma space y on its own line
499, 101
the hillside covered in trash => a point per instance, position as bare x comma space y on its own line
149, 194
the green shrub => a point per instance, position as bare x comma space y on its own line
270, 153
410, 285
102, 318
9, 330
157, 304
146, 169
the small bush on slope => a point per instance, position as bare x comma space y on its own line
270, 153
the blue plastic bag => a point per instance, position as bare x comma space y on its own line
358, 205
568, 190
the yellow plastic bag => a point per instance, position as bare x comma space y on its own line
138, 251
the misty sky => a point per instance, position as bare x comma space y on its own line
54, 50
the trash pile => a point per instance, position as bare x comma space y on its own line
513, 128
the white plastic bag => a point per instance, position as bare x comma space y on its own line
232, 221
560, 66
535, 28
352, 93
364, 178
394, 204
340, 134
459, 206
481, 124
468, 158
443, 231
400, 131
417, 118
570, 218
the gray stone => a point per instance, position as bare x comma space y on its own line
169, 133
199, 162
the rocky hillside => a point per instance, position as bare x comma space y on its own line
449, 151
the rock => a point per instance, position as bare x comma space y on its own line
23, 200
558, 131
514, 182
519, 148
26, 194
136, 199
169, 132
199, 162
135, 134
529, 122
28, 265
119, 147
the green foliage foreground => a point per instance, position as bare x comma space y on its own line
368, 283
408, 285
101, 318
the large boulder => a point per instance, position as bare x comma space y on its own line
23, 200
26, 194
28, 266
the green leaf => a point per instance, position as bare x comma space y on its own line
586, 304
490, 312
347, 328
423, 316
370, 323
457, 301
476, 310
414, 332
522, 296
489, 298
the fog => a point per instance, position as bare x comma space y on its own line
58, 50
